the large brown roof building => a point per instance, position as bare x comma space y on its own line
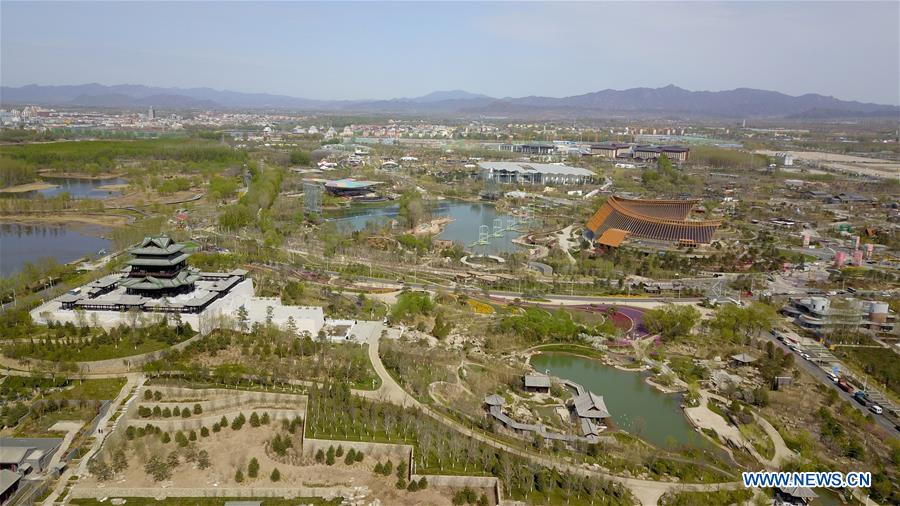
659, 220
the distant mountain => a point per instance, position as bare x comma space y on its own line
450, 95
674, 101
119, 100
135, 95
669, 101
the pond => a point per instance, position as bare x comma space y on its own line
21, 243
635, 406
77, 188
468, 218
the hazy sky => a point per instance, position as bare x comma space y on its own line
381, 50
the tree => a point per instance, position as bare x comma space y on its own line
243, 318
411, 208
320, 456
165, 438
276, 475
671, 321
204, 432
239, 476
253, 468
329, 456
203, 459
441, 327
254, 420
351, 457
197, 409
100, 469
300, 157
158, 469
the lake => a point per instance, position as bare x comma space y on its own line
635, 406
21, 243
76, 188
468, 217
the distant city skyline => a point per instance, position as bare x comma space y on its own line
344, 50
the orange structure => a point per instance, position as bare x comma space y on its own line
660, 220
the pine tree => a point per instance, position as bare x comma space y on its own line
253, 468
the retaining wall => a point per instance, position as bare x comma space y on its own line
236, 400
371, 450
79, 492
174, 424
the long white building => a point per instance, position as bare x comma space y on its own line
534, 173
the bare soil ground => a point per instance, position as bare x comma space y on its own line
28, 187
104, 220
230, 450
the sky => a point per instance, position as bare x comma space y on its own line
373, 50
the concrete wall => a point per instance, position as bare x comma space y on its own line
221, 313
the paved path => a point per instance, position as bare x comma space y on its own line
782, 452
101, 431
71, 428
647, 492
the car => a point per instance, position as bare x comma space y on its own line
875, 408
832, 377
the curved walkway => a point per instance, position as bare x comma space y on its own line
647, 492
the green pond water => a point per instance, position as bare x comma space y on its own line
635, 406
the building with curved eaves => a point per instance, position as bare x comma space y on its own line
658, 220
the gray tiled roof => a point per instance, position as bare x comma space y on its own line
591, 405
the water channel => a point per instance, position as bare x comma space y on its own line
635, 406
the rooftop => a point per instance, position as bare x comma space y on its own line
590, 405
537, 381
350, 183
531, 167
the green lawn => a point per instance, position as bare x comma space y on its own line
92, 389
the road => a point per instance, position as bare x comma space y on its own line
817, 372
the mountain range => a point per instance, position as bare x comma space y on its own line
668, 101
